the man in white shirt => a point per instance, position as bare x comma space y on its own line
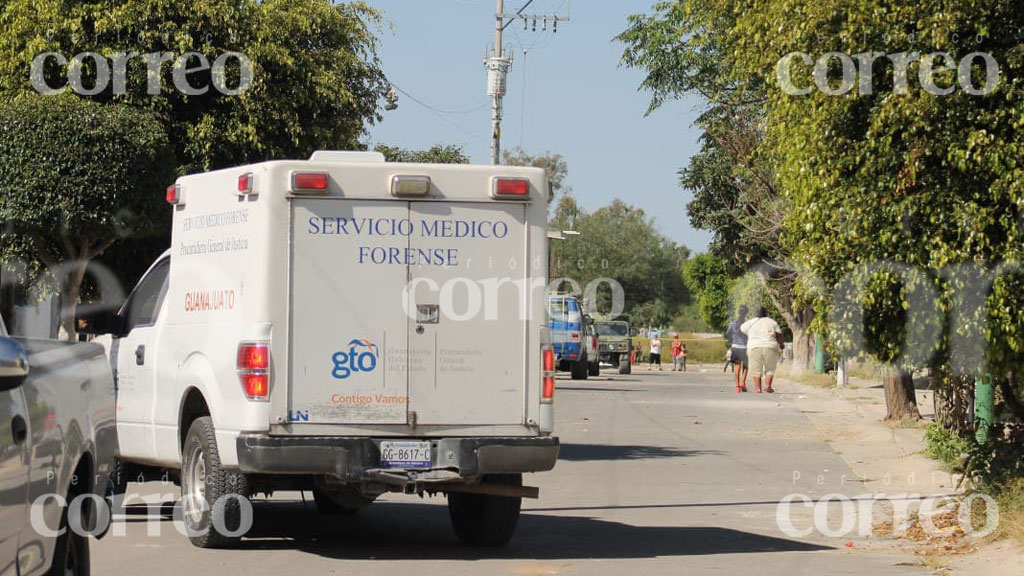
764, 342
656, 352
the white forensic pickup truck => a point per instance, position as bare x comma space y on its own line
346, 326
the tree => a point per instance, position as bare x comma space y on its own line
76, 176
554, 165
898, 191
315, 83
437, 154
707, 277
689, 47
620, 242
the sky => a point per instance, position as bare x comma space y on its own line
567, 95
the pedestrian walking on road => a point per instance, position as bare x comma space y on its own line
678, 355
738, 350
764, 343
656, 352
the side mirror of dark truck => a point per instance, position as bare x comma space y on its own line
13, 364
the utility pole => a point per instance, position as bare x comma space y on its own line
498, 64
497, 74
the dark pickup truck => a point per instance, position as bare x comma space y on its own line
57, 446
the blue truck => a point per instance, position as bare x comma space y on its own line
569, 331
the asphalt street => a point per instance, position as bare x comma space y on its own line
659, 473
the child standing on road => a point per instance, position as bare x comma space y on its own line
678, 355
656, 351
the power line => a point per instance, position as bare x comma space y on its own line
439, 110
443, 115
518, 13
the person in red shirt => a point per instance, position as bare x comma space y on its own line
678, 355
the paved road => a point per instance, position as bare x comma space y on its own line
660, 473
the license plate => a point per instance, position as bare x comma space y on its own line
405, 454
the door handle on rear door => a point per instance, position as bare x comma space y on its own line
140, 355
19, 429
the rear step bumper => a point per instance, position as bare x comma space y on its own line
358, 459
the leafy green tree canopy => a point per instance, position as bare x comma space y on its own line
76, 176
707, 277
316, 79
621, 242
437, 154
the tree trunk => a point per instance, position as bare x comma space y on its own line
900, 398
72, 274
798, 318
953, 394
803, 348
1008, 387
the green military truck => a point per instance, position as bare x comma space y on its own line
614, 344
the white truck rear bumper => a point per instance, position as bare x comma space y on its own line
355, 460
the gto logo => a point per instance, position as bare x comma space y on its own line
361, 357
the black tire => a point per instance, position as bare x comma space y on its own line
71, 552
624, 366
201, 443
329, 505
594, 369
486, 521
578, 369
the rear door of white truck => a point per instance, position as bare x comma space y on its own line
408, 312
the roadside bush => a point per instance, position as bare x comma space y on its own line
946, 447
1011, 510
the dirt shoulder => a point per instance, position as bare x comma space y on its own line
888, 461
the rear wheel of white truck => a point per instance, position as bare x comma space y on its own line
212, 498
483, 520
624, 366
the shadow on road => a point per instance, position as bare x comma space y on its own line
422, 532
593, 452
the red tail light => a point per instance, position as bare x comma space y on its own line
514, 187
174, 194
548, 363
575, 336
309, 181
245, 183
253, 364
253, 356
256, 386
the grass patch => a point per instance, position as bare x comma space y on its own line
809, 378
1011, 511
909, 423
946, 447
698, 350
865, 370
953, 452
